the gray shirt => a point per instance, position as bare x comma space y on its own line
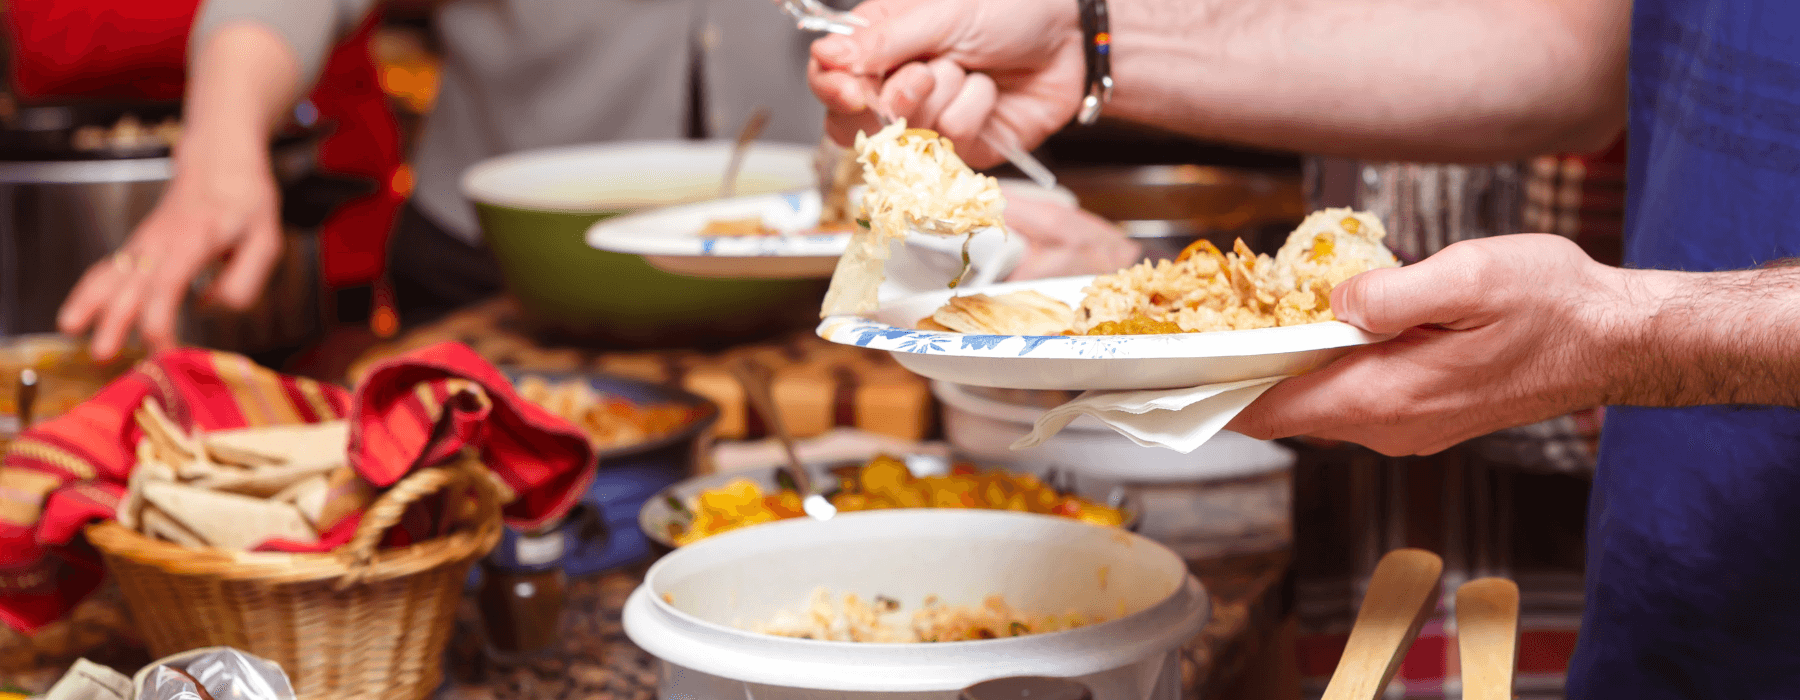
523, 74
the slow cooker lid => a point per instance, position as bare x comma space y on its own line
47, 130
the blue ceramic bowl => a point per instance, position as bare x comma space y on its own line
627, 476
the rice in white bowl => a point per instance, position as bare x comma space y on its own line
884, 620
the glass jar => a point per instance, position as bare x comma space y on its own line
523, 590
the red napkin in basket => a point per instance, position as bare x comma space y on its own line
537, 453
70, 471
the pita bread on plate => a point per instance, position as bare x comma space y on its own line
1016, 313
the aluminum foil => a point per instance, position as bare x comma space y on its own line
216, 674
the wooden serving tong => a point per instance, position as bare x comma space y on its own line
1487, 632
1401, 596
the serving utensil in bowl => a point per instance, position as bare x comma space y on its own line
753, 127
28, 384
756, 380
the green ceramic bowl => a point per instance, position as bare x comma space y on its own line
535, 208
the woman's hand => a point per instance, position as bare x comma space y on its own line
222, 203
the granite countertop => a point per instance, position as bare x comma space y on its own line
597, 662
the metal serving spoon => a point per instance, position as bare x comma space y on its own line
753, 127
756, 380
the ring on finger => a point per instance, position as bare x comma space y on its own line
128, 262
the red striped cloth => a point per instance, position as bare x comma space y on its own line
68, 472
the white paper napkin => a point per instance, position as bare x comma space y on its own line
1178, 419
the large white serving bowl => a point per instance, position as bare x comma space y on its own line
692, 605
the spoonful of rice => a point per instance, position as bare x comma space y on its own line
916, 182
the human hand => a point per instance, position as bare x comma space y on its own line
980, 72
1063, 240
222, 202
1494, 333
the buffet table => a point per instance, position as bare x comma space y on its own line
1244, 651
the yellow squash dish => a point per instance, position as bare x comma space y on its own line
886, 483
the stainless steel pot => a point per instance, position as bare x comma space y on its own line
60, 212
1167, 207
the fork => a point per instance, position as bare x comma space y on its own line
1019, 157
814, 16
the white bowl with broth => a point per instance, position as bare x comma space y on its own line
535, 208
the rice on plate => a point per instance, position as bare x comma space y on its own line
1203, 289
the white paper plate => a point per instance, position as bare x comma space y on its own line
1080, 363
670, 238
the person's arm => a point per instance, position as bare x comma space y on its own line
1690, 339
1063, 239
246, 72
1476, 80
1505, 331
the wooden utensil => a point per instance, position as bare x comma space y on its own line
1487, 631
1402, 593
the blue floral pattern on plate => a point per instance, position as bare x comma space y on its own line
674, 231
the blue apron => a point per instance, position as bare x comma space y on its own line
1693, 569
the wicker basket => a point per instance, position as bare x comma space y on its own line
354, 624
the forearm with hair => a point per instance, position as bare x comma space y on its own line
1710, 338
1437, 80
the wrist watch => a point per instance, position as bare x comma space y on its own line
1096, 47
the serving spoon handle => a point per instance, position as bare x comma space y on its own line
1487, 635
1402, 593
